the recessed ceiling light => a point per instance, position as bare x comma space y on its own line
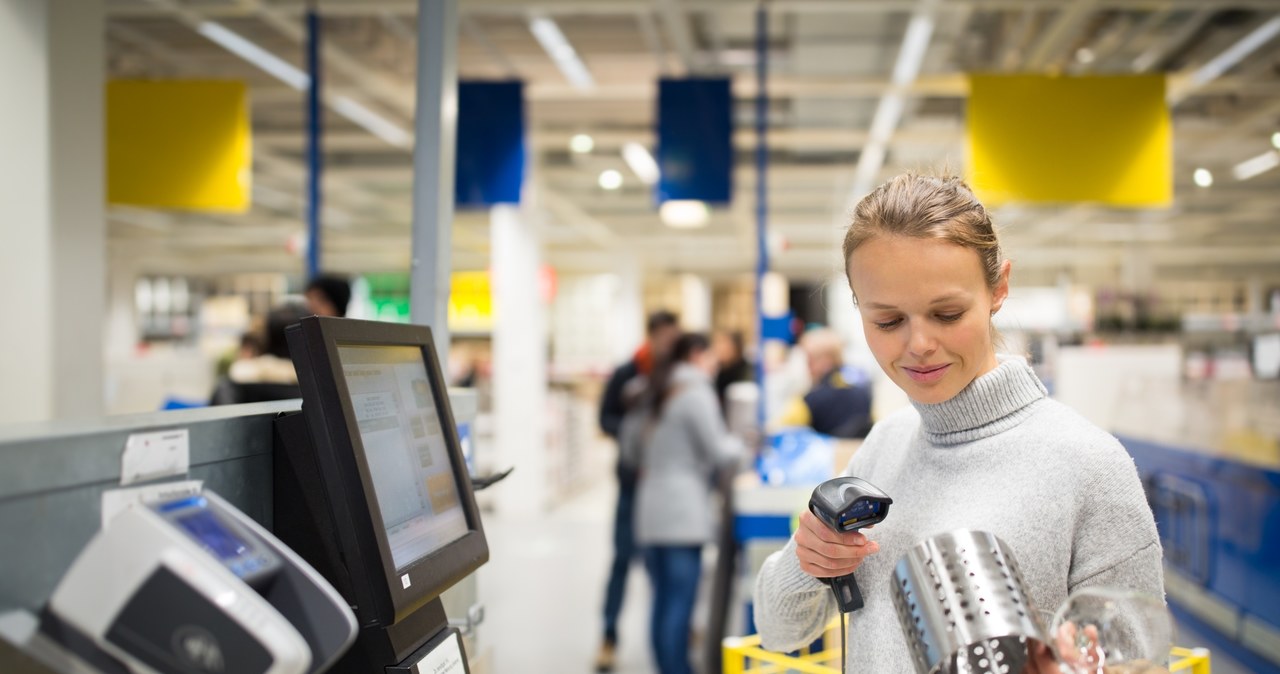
582, 143
1203, 177
1275, 140
684, 213
610, 179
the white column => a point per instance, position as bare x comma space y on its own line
519, 362
52, 225
435, 130
695, 303
627, 313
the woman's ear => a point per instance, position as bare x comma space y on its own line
1001, 291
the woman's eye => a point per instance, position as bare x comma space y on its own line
888, 325
950, 318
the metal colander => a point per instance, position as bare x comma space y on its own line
962, 607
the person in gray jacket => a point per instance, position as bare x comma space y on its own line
677, 438
982, 446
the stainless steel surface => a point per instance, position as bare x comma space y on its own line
962, 606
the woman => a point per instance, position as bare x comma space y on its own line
678, 440
981, 447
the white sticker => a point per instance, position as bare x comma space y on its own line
116, 500
151, 456
443, 659
404, 580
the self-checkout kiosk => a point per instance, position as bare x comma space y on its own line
191, 585
371, 488
372, 517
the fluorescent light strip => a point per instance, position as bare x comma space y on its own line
372, 122
914, 45
1235, 53
641, 163
1256, 166
889, 111
558, 48
268, 62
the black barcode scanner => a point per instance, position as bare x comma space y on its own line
848, 504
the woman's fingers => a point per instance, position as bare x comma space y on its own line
824, 553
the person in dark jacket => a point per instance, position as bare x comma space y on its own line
662, 330
729, 350
839, 401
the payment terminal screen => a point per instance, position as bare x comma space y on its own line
404, 446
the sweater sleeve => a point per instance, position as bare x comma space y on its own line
1116, 543
791, 607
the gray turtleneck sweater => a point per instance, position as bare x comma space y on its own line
1002, 457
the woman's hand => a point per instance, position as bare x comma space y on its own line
824, 553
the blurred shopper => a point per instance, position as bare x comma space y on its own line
269, 375
839, 401
662, 330
677, 438
981, 447
730, 356
328, 295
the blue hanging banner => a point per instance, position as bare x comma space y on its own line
695, 139
490, 155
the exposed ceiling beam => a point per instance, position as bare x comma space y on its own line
679, 33
653, 41
474, 32
1157, 53
1058, 36
1011, 56
519, 8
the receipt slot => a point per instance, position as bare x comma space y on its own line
195, 586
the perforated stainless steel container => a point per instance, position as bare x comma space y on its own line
962, 607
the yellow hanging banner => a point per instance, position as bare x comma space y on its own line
1046, 139
179, 144
470, 303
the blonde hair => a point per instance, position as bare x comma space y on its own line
927, 207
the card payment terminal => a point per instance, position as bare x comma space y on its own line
195, 586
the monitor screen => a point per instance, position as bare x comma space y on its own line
409, 463
372, 482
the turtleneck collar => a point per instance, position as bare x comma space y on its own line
990, 404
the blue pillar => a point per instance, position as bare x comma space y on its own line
313, 145
762, 192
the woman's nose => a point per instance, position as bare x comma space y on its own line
921, 342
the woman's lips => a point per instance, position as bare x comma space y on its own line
927, 374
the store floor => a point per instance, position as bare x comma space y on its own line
544, 585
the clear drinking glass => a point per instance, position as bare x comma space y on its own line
1111, 631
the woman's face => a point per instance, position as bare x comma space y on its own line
926, 310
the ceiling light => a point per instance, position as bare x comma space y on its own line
1203, 177
272, 64
372, 122
641, 162
684, 213
582, 143
1255, 166
1085, 55
1275, 140
610, 179
558, 48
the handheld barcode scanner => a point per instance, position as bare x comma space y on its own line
848, 504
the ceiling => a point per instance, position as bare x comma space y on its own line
830, 64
